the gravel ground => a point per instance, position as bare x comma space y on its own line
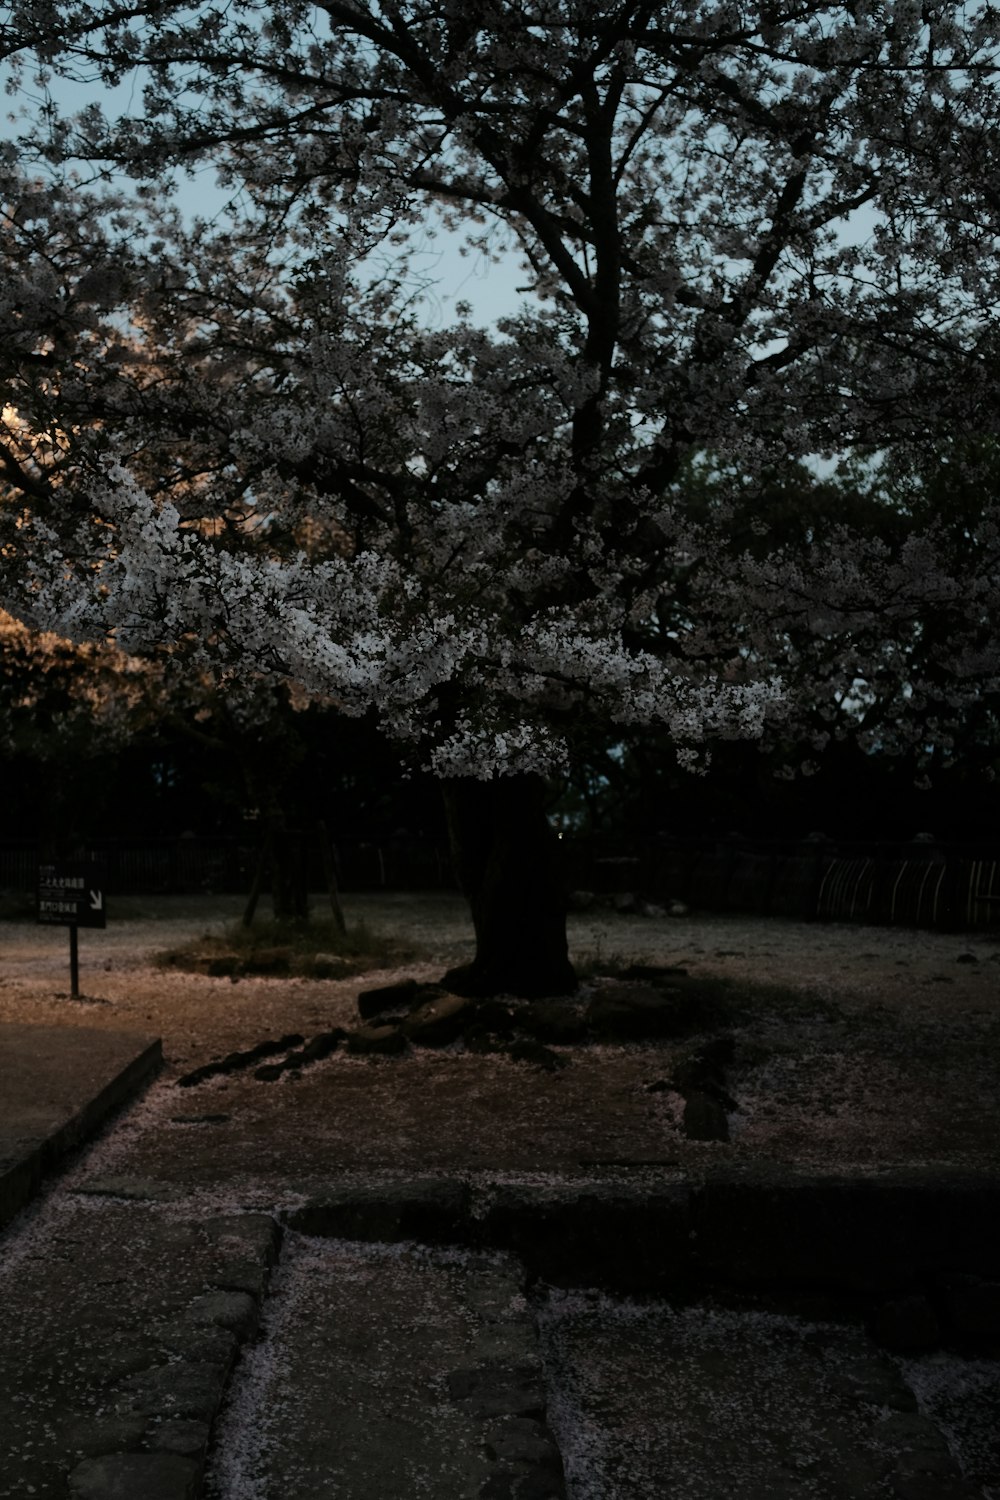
889, 1050
914, 973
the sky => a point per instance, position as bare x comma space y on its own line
489, 288
453, 274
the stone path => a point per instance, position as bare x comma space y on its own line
194, 1335
369, 1370
122, 1322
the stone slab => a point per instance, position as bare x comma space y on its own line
703, 1401
762, 1228
389, 1371
125, 1476
57, 1086
636, 1240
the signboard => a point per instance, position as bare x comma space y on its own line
71, 896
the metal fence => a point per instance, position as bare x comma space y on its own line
949, 886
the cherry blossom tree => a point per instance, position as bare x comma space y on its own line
749, 234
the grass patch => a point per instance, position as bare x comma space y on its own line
315, 949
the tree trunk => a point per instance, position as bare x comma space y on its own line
289, 896
506, 858
282, 854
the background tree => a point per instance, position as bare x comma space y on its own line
65, 709
486, 536
873, 594
881, 736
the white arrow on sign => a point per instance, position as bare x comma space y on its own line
96, 900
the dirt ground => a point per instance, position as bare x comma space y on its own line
855, 1047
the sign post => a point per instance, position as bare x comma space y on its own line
74, 898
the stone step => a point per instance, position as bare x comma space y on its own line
389, 1371
916, 1251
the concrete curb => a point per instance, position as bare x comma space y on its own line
869, 1241
30, 1160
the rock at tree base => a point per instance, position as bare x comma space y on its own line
439, 1021
555, 1021
376, 1040
493, 1015
315, 1050
537, 1055
388, 997
474, 981
321, 1045
234, 1061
